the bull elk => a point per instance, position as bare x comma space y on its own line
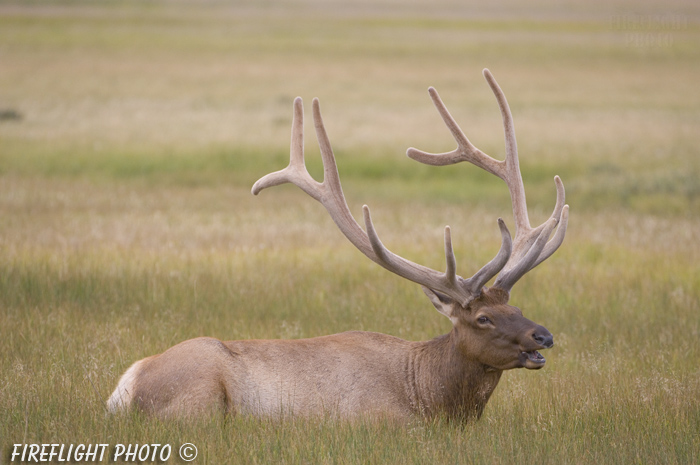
365, 373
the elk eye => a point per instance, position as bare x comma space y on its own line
483, 320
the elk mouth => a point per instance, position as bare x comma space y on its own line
532, 360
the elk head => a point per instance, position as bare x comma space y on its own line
486, 329
493, 333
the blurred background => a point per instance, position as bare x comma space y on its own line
131, 133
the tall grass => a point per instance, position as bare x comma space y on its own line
127, 224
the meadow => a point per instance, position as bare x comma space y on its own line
131, 134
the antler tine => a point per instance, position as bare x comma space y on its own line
507, 278
331, 178
296, 172
560, 213
333, 198
510, 171
557, 240
450, 260
527, 239
491, 269
465, 151
448, 282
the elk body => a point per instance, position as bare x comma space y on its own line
364, 373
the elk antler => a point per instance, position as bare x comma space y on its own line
330, 194
530, 246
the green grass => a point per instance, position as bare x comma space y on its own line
127, 223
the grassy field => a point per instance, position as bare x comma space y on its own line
131, 133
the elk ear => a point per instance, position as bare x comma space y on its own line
442, 303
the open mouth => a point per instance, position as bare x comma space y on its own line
532, 359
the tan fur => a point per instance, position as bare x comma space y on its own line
123, 394
347, 374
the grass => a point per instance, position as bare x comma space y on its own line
127, 224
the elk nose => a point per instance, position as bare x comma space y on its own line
543, 337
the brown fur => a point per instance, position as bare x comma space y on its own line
346, 374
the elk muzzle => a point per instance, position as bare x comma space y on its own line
539, 339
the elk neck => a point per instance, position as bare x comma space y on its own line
442, 380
